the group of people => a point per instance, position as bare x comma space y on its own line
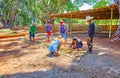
63, 28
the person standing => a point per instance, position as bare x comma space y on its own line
32, 30
48, 30
91, 32
63, 30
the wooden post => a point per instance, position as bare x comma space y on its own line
118, 3
116, 21
70, 24
111, 22
106, 26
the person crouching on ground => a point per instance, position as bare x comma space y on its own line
48, 30
76, 44
55, 46
32, 30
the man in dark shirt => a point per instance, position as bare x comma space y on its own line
91, 32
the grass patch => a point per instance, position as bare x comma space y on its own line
5, 30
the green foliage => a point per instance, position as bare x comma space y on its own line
5, 30
9, 10
23, 12
101, 3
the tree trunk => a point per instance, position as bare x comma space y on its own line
46, 19
116, 35
118, 4
6, 23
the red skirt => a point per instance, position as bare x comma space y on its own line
48, 33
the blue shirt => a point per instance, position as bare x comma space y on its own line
48, 28
54, 46
62, 29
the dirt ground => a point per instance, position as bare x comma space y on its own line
19, 59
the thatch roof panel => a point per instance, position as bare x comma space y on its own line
98, 13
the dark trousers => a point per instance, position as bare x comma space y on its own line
90, 44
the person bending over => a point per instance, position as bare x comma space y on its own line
76, 43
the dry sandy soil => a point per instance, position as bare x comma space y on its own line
19, 59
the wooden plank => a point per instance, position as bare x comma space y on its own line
111, 22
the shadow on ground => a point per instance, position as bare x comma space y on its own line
11, 52
90, 66
54, 72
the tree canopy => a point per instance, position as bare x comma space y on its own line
24, 12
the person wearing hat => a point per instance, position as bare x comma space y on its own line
76, 43
63, 30
55, 45
32, 30
91, 32
48, 30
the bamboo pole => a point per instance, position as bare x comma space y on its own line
70, 24
111, 22
116, 21
106, 26
119, 12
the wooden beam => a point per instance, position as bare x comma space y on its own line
111, 22
70, 24
106, 25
